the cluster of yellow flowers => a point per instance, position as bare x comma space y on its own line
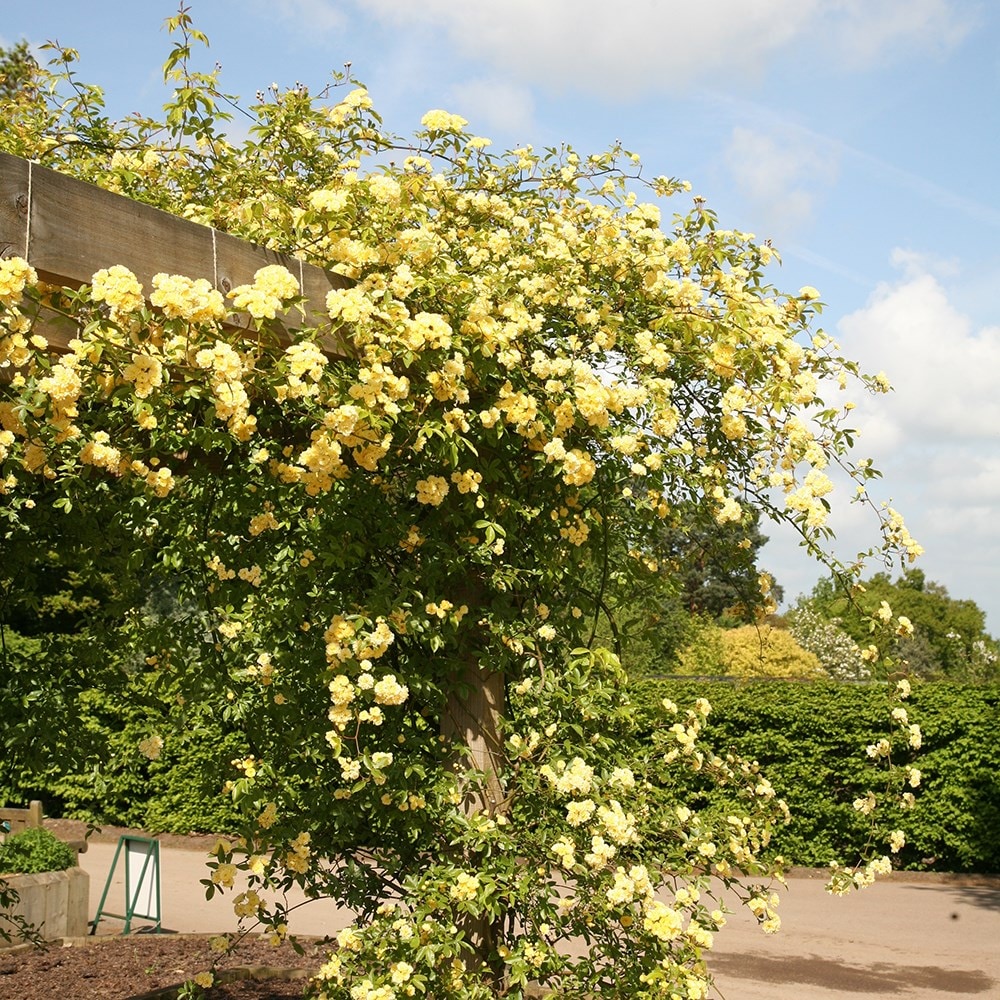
145, 372
306, 364
225, 368
599, 830
348, 647
297, 857
100, 453
662, 920
194, 300
16, 274
432, 490
443, 121
272, 287
356, 101
119, 288
465, 887
897, 534
151, 747
808, 498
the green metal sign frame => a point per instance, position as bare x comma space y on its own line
142, 883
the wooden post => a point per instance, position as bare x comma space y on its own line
472, 717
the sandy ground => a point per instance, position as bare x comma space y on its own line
913, 937
906, 937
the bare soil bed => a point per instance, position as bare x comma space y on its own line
119, 967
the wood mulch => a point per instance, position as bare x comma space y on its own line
152, 966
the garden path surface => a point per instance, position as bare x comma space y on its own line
912, 936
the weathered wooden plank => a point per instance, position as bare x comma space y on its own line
68, 229
237, 261
13, 206
76, 229
15, 215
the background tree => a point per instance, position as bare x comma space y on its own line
718, 567
19, 72
949, 637
748, 651
692, 574
839, 655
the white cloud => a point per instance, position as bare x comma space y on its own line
867, 31
975, 472
780, 174
943, 370
489, 103
646, 46
914, 264
311, 18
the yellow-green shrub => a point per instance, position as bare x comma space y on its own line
748, 651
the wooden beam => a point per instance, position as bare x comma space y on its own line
68, 229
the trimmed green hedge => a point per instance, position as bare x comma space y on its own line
810, 740
179, 792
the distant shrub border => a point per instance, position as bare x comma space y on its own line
810, 737
180, 791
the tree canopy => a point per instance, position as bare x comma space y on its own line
948, 637
386, 566
18, 72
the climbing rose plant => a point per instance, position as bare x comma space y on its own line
359, 523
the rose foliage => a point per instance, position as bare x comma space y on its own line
355, 543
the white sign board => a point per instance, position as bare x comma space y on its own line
142, 875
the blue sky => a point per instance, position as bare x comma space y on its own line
861, 136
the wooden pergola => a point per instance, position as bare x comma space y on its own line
68, 229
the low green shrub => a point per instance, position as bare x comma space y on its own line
32, 851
